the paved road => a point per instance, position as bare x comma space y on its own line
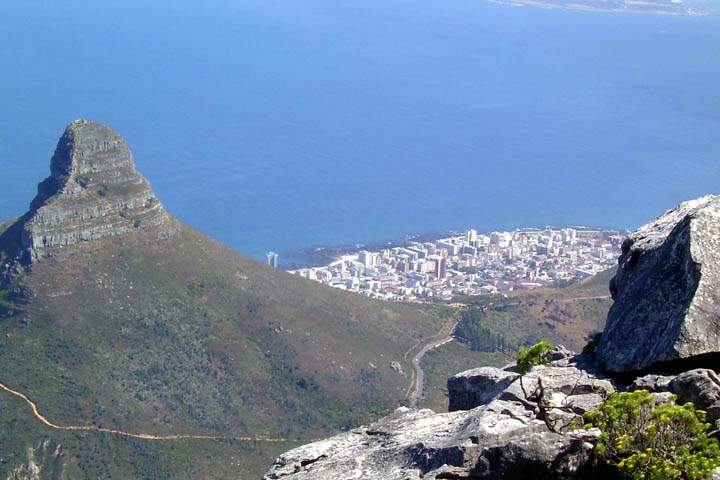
419, 373
418, 376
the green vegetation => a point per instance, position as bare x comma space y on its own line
447, 360
644, 441
535, 355
185, 336
563, 315
476, 336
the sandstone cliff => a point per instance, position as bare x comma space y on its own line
93, 192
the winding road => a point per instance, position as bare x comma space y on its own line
417, 382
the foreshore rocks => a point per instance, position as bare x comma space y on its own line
93, 192
503, 425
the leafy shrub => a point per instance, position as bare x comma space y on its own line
644, 441
535, 355
594, 339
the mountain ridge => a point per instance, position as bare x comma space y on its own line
157, 328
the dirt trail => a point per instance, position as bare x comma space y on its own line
413, 395
139, 436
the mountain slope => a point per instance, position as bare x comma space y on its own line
492, 329
117, 315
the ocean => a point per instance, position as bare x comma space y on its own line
285, 124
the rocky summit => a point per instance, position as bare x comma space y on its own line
666, 291
504, 425
115, 316
93, 192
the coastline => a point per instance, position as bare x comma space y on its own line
322, 255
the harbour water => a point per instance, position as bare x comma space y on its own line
283, 124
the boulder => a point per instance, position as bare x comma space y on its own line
500, 429
478, 386
701, 387
666, 291
652, 383
540, 456
408, 444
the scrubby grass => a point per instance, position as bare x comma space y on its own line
447, 360
563, 315
189, 337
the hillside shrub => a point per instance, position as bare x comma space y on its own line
535, 355
476, 336
653, 442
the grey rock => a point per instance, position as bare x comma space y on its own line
476, 387
46, 460
701, 387
406, 444
652, 383
93, 192
559, 353
539, 456
498, 435
666, 291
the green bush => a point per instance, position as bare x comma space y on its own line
644, 441
535, 355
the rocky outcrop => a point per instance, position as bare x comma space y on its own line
701, 387
503, 425
472, 388
93, 192
500, 429
666, 291
47, 460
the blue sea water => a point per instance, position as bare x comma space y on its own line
281, 124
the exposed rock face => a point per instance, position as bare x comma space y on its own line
503, 425
701, 387
93, 191
45, 461
499, 434
472, 388
666, 290
541, 456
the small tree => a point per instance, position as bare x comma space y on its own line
538, 354
644, 441
535, 355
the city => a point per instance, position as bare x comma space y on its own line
472, 264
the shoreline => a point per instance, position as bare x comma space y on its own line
323, 255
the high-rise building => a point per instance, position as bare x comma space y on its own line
442, 267
272, 259
366, 258
471, 236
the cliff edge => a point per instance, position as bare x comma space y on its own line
664, 324
94, 191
